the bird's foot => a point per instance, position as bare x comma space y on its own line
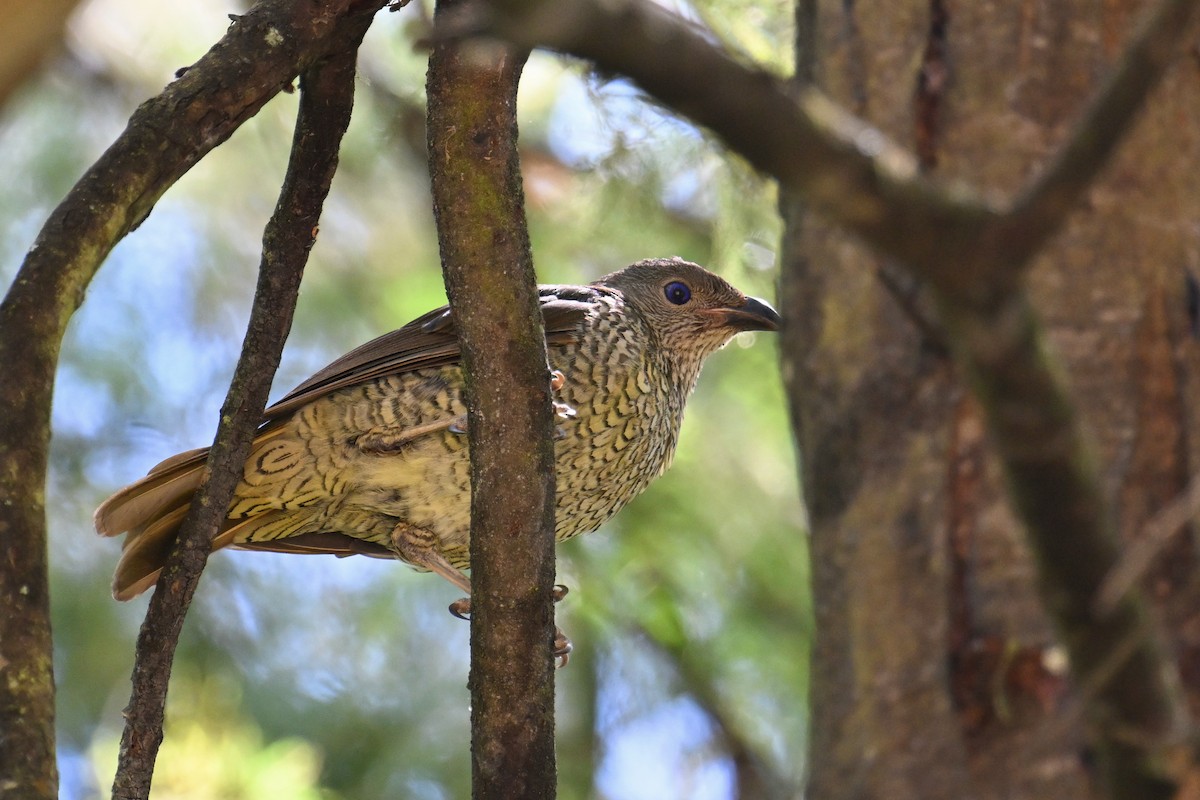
461, 608
562, 648
562, 645
561, 410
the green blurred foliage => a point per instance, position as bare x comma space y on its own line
347, 678
211, 752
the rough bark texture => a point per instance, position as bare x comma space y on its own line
479, 206
873, 402
261, 54
326, 99
994, 91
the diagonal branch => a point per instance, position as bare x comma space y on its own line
327, 92
1042, 206
1147, 545
756, 777
847, 170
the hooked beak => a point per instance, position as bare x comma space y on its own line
753, 315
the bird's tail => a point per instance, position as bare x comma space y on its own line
150, 513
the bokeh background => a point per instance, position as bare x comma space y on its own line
315, 677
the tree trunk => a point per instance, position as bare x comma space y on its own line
936, 673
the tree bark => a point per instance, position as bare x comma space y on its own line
973, 672
869, 405
479, 208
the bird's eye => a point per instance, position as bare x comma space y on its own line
677, 292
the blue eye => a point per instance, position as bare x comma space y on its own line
677, 292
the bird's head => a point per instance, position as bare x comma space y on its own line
693, 311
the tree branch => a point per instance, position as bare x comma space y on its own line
326, 99
1147, 545
755, 776
1134, 703
846, 169
479, 208
260, 55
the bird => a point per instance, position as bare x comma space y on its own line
369, 456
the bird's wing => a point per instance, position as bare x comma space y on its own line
336, 544
429, 341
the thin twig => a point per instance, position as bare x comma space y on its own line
755, 776
327, 91
1154, 536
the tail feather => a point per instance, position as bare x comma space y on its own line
168, 484
139, 504
143, 554
145, 550
150, 512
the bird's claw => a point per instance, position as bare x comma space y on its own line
561, 410
562, 648
461, 608
562, 645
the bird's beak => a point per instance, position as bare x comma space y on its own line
753, 315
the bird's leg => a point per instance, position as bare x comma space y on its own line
417, 547
385, 440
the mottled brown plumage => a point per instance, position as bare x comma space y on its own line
369, 455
